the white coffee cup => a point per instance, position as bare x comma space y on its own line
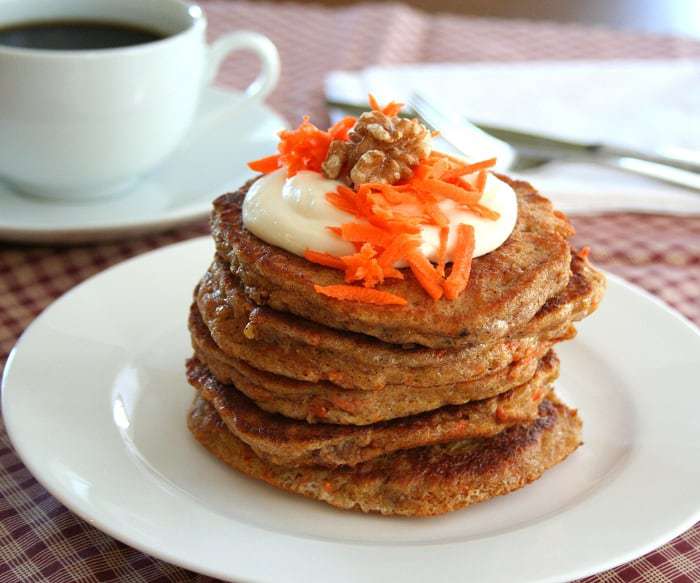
82, 124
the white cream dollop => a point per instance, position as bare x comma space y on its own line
293, 213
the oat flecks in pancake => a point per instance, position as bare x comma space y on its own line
289, 442
416, 482
324, 401
507, 286
284, 344
414, 410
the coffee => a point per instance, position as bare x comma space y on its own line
72, 35
83, 124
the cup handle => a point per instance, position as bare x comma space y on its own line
259, 44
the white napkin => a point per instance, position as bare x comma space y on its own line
645, 105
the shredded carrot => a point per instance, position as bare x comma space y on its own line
341, 129
421, 171
447, 190
442, 250
325, 259
388, 218
344, 199
457, 281
480, 181
265, 165
399, 249
365, 233
346, 191
378, 191
484, 211
392, 273
363, 266
304, 148
439, 169
463, 169
437, 216
393, 233
584, 252
391, 109
425, 273
360, 294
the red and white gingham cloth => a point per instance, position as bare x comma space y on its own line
42, 541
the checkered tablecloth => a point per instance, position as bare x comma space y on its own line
40, 540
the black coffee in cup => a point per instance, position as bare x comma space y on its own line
69, 35
78, 123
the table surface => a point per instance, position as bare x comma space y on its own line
680, 17
40, 540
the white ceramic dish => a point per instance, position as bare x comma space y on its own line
95, 400
211, 160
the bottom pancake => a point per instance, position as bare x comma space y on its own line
423, 481
289, 442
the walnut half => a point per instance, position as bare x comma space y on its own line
380, 148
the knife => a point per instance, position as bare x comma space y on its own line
540, 145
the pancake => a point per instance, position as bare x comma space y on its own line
507, 287
578, 300
328, 403
287, 345
279, 440
422, 481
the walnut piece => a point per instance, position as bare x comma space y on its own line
380, 148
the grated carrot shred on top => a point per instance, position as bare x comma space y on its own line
363, 266
391, 109
480, 181
341, 129
387, 233
360, 294
265, 165
426, 274
303, 148
325, 259
442, 250
463, 169
389, 217
457, 281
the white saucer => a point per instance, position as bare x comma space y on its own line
211, 160
95, 401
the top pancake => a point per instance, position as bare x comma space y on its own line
506, 288
291, 346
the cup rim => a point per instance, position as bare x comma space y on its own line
197, 21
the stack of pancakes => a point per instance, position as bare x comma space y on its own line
409, 410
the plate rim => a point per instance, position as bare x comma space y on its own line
163, 553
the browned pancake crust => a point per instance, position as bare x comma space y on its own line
415, 482
290, 346
506, 289
326, 402
279, 440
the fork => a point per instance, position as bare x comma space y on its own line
458, 132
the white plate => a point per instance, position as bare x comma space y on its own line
211, 160
95, 401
